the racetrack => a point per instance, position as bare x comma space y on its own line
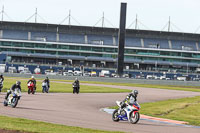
83, 110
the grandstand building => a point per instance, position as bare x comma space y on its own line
98, 47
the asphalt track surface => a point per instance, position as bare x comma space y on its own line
83, 110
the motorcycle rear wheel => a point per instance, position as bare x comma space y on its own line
5, 103
115, 116
134, 117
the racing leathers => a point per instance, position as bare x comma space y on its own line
12, 89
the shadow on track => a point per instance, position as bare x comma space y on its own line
25, 108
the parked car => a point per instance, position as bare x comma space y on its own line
87, 74
50, 72
93, 74
181, 78
77, 73
68, 73
125, 76
12, 70
25, 72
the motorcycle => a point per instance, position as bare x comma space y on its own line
127, 112
45, 87
31, 88
13, 98
75, 88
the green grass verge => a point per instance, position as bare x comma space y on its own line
169, 87
60, 87
42, 127
184, 109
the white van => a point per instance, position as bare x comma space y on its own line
104, 73
181, 78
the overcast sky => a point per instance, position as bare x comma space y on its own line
154, 14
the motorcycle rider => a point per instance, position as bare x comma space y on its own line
46, 83
131, 98
16, 85
1, 81
32, 80
76, 86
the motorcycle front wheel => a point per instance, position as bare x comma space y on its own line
134, 117
29, 91
115, 116
14, 102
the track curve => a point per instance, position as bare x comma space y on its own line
83, 110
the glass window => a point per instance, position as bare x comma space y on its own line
62, 53
39, 45
186, 55
6, 43
17, 44
97, 49
109, 50
85, 48
30, 45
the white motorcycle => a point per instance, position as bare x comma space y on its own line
127, 112
13, 98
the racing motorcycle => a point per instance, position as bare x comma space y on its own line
75, 88
31, 88
45, 87
13, 98
126, 112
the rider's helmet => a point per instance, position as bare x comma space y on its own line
47, 78
135, 92
18, 82
1, 75
32, 77
76, 79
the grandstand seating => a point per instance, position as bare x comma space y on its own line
132, 42
156, 43
100, 39
71, 38
43, 36
15, 34
184, 45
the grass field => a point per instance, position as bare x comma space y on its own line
184, 109
42, 127
169, 87
61, 87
